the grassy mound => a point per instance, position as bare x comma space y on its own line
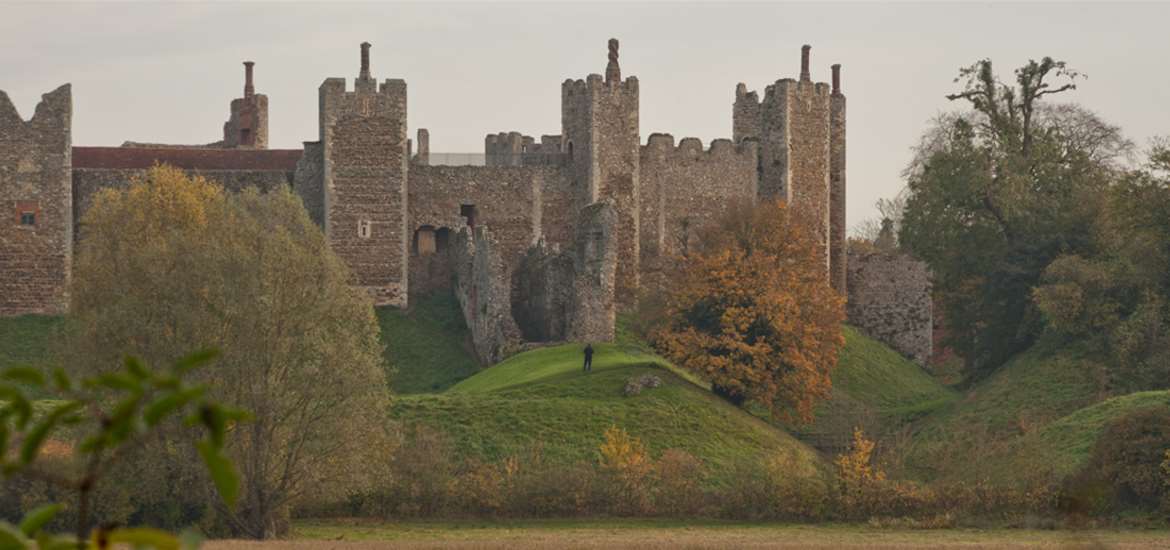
542, 396
979, 435
875, 388
1066, 443
426, 345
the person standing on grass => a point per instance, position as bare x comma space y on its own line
588, 357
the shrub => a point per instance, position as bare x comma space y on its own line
1128, 458
628, 470
680, 484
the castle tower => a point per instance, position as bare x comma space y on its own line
36, 205
364, 150
248, 125
837, 256
599, 125
793, 126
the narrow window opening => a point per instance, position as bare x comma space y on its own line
468, 212
442, 239
245, 136
364, 229
28, 218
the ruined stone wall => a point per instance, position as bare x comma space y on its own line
363, 135
36, 215
889, 299
685, 188
570, 295
247, 125
483, 290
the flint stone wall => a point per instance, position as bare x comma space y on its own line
889, 299
570, 295
482, 288
35, 160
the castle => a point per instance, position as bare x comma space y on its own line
541, 241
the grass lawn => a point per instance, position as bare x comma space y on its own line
426, 345
542, 397
978, 435
875, 388
673, 534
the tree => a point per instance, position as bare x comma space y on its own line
996, 193
1116, 296
752, 311
174, 263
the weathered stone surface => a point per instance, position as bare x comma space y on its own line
889, 299
570, 295
36, 205
481, 286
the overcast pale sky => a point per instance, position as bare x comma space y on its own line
166, 73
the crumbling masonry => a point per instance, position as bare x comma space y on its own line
541, 240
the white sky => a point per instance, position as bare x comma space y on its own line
166, 73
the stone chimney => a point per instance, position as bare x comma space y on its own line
613, 73
249, 90
805, 76
837, 79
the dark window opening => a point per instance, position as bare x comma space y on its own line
570, 149
245, 136
28, 218
442, 239
468, 212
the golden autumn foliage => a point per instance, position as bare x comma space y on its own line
752, 311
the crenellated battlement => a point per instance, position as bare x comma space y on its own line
662, 146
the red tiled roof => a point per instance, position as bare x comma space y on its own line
188, 159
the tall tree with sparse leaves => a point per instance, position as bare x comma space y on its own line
997, 192
173, 263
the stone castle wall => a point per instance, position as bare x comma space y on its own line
36, 205
889, 299
685, 188
363, 135
569, 295
484, 293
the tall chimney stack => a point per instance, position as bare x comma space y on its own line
837, 79
365, 74
249, 90
804, 74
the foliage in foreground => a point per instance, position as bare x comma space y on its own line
172, 263
752, 311
626, 480
112, 414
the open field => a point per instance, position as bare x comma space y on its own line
357, 534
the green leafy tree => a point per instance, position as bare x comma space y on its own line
1116, 296
173, 262
996, 193
112, 413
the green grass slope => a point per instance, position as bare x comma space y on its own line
979, 435
426, 345
31, 340
874, 388
542, 397
1063, 446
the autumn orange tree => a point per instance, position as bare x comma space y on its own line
752, 311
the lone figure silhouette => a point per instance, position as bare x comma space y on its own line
588, 357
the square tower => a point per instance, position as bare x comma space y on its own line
364, 150
599, 125
800, 127
36, 205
